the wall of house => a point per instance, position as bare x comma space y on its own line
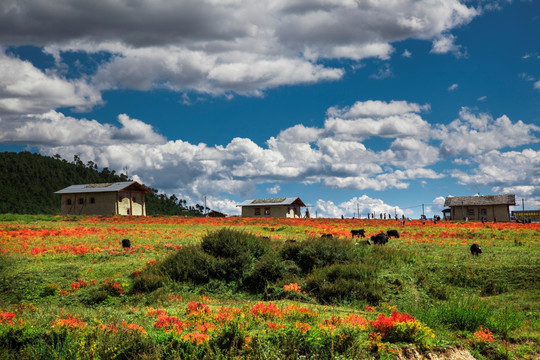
89, 204
274, 211
476, 212
129, 203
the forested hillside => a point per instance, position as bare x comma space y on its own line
30, 180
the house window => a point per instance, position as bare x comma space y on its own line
483, 212
257, 211
81, 201
266, 211
92, 200
470, 212
68, 201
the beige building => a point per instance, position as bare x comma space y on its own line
489, 207
280, 207
121, 198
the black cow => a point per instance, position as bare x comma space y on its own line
475, 249
392, 233
126, 243
379, 239
358, 233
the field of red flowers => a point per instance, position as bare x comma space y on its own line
66, 286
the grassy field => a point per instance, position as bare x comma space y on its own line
70, 291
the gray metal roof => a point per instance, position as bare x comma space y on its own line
272, 202
480, 200
94, 188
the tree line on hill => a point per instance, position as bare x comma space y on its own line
29, 181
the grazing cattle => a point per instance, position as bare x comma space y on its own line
327, 235
358, 233
379, 239
126, 243
475, 249
392, 233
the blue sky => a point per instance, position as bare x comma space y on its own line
376, 106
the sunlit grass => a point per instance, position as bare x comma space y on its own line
429, 267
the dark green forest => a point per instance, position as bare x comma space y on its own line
30, 180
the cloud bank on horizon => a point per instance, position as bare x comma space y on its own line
242, 48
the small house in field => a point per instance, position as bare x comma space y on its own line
488, 207
279, 207
214, 213
121, 198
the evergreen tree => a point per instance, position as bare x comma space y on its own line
30, 180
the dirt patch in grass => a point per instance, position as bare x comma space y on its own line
446, 354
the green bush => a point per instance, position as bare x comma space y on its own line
226, 255
266, 270
93, 296
236, 255
320, 252
50, 289
344, 283
228, 243
147, 281
189, 264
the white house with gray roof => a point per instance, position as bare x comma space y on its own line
120, 198
278, 207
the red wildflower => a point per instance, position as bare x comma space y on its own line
274, 326
196, 308
196, 337
70, 322
266, 310
303, 327
484, 335
384, 324
292, 287
7, 317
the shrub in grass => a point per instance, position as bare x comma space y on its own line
16, 337
189, 264
93, 296
463, 313
50, 289
229, 338
267, 269
228, 243
229, 256
344, 283
320, 252
235, 253
147, 281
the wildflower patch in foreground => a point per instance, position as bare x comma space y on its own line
400, 327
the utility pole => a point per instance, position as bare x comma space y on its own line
204, 212
523, 210
423, 216
358, 210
